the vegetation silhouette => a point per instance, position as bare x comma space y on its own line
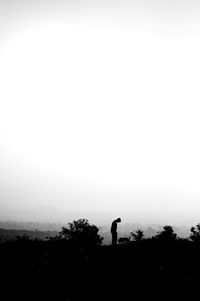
167, 234
138, 235
195, 233
80, 233
77, 266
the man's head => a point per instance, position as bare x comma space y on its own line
118, 220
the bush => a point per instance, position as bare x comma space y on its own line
195, 233
138, 235
81, 233
167, 234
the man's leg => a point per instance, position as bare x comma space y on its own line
114, 239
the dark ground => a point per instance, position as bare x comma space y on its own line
56, 270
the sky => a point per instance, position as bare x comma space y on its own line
99, 110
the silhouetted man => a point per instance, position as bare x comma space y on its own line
113, 230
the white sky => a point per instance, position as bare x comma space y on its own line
99, 108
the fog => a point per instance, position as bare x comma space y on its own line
99, 110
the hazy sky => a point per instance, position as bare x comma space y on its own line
100, 108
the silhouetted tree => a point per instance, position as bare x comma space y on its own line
138, 235
195, 233
167, 234
81, 233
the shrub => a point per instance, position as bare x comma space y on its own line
81, 233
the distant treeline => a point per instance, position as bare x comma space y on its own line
13, 234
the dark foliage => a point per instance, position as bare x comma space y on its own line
138, 235
81, 233
167, 234
195, 233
